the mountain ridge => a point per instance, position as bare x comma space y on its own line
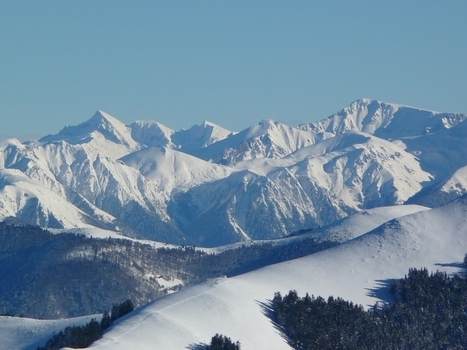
264, 182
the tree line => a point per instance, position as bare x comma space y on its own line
428, 312
81, 272
83, 336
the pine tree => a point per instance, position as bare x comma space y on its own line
221, 342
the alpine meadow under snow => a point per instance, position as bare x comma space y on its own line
384, 183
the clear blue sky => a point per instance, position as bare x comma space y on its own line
233, 63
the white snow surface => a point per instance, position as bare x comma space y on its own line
21, 194
435, 238
151, 133
362, 222
171, 169
457, 183
200, 136
268, 139
18, 333
386, 120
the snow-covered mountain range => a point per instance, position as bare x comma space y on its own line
209, 186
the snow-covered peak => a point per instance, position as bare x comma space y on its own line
295, 178
10, 141
171, 169
199, 136
102, 118
286, 137
102, 123
265, 126
267, 139
207, 123
385, 120
151, 133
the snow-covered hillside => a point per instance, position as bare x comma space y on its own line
357, 270
210, 186
39, 331
18, 333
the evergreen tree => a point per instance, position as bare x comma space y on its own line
81, 337
221, 342
428, 313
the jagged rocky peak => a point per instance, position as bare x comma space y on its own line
270, 126
287, 138
267, 139
207, 124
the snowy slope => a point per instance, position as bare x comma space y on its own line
436, 239
362, 222
36, 204
199, 136
436, 139
441, 153
312, 187
353, 226
444, 155
85, 172
457, 182
27, 334
174, 170
151, 133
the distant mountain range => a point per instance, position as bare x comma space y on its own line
209, 186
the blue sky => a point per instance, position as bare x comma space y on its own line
233, 63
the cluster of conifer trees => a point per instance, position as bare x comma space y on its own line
83, 336
222, 342
428, 312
